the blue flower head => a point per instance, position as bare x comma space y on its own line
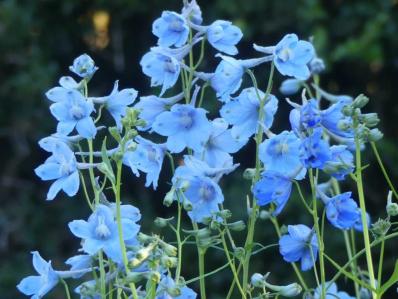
185, 126
299, 244
100, 232
171, 29
273, 187
223, 36
341, 162
315, 151
281, 153
118, 101
84, 66
39, 285
243, 112
166, 284
147, 157
335, 122
331, 292
192, 12
292, 55
162, 68
74, 112
216, 152
310, 114
290, 86
342, 211
61, 166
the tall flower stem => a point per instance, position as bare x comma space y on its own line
201, 261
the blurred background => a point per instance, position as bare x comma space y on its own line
39, 40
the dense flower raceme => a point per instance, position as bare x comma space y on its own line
146, 130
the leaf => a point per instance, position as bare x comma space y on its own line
106, 167
391, 281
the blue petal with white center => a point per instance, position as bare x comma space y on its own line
171, 29
223, 36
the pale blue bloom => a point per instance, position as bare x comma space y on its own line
216, 152
168, 283
290, 86
68, 82
58, 94
61, 167
292, 55
243, 112
281, 153
148, 158
79, 262
273, 187
73, 112
39, 285
83, 66
310, 114
298, 245
118, 101
315, 151
185, 126
331, 292
100, 232
335, 122
223, 36
171, 29
192, 12
162, 68
341, 210
341, 162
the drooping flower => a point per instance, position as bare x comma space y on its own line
310, 114
216, 152
315, 151
341, 210
341, 162
171, 29
61, 166
223, 36
100, 232
292, 55
335, 122
290, 86
273, 187
331, 292
243, 113
167, 285
162, 68
118, 101
148, 158
299, 244
83, 66
73, 112
281, 153
39, 285
185, 126
192, 12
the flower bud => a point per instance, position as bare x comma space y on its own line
375, 135
203, 233
168, 262
370, 119
290, 86
184, 186
264, 215
225, 214
239, 252
187, 205
174, 291
144, 253
161, 222
249, 173
143, 238
392, 207
360, 101
131, 147
343, 125
170, 250
214, 225
317, 65
381, 227
237, 226
134, 277
347, 110
364, 294
169, 198
257, 280
107, 170
291, 290
154, 276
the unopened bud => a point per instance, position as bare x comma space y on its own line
360, 101
225, 214
134, 277
317, 65
257, 280
154, 276
264, 215
239, 252
237, 226
161, 222
249, 173
168, 262
170, 250
290, 86
169, 198
215, 225
174, 291
381, 227
392, 207
290, 290
143, 238
375, 135
370, 119
184, 186
187, 205
347, 110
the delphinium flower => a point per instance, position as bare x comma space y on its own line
171, 29
243, 113
223, 36
39, 285
315, 151
73, 112
216, 152
273, 187
148, 158
80, 262
331, 292
62, 167
310, 114
290, 86
334, 120
100, 232
84, 66
167, 289
299, 244
281, 153
192, 12
184, 126
341, 163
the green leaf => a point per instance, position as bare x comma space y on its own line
106, 167
391, 281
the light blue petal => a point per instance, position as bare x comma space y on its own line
39, 263
48, 171
66, 127
80, 229
30, 285
71, 184
86, 128
55, 188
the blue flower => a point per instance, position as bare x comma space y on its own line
341, 162
216, 152
273, 187
171, 29
83, 66
185, 126
290, 86
192, 12
163, 69
300, 244
335, 122
315, 152
58, 94
342, 211
291, 56
223, 36
61, 166
310, 114
39, 285
79, 262
73, 112
167, 284
148, 158
331, 292
281, 153
118, 101
100, 232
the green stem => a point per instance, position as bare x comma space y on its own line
91, 171
349, 255
102, 274
201, 255
380, 269
66, 289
